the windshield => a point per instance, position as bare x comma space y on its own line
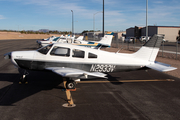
45, 49
55, 39
48, 38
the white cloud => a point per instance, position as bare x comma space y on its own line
117, 13
164, 13
158, 2
2, 17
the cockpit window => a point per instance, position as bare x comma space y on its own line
45, 49
60, 51
55, 39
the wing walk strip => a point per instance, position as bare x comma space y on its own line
155, 80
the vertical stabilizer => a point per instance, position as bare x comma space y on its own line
80, 38
150, 49
106, 40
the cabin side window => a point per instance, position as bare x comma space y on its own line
91, 55
60, 51
77, 53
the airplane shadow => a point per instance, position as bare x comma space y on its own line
11, 91
113, 80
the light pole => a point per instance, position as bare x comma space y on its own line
103, 19
94, 20
72, 23
146, 20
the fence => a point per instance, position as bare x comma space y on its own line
167, 50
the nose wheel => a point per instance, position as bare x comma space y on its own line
23, 79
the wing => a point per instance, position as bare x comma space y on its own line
161, 67
75, 73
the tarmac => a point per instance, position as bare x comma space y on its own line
135, 95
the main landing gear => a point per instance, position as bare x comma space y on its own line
69, 85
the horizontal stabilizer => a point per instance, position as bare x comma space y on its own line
161, 67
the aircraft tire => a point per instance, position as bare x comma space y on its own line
70, 85
23, 80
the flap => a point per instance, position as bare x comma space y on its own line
77, 73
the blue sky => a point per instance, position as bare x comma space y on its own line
57, 15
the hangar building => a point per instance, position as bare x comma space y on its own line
170, 32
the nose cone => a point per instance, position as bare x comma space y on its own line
20, 58
7, 55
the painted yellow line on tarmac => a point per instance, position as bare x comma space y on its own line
155, 80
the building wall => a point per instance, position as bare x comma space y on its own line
92, 35
151, 31
130, 32
120, 34
170, 33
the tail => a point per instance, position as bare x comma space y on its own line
80, 38
106, 40
149, 50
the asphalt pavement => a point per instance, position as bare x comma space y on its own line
140, 95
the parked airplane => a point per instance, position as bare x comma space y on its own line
61, 39
77, 62
55, 40
48, 39
105, 42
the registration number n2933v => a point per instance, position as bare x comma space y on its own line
102, 68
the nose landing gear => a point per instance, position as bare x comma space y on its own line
23, 79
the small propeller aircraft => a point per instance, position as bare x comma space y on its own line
61, 39
77, 62
48, 39
104, 42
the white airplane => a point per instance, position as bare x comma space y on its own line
61, 39
77, 40
77, 62
48, 39
104, 42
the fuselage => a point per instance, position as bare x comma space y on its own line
55, 40
71, 56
